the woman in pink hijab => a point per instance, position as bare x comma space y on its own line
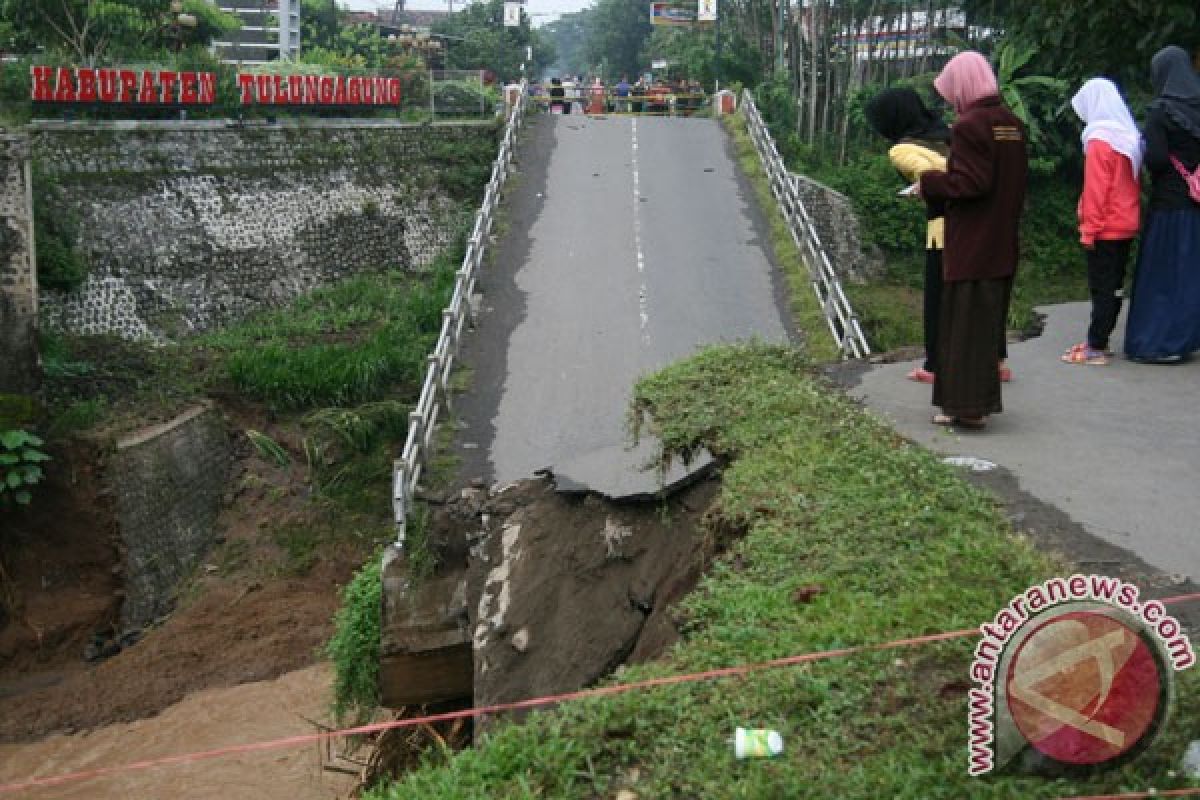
983, 188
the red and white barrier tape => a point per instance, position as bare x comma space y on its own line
536, 702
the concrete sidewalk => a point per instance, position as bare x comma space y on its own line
1117, 448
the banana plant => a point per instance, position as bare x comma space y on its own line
1020, 93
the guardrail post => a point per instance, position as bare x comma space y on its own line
400, 499
435, 388
839, 315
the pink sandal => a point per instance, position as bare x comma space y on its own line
920, 375
1084, 354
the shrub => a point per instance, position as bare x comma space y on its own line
59, 264
463, 97
354, 647
15, 105
20, 470
396, 322
894, 225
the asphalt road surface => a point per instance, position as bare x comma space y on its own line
1116, 447
629, 244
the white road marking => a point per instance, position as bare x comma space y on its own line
643, 304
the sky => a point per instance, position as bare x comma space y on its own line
542, 11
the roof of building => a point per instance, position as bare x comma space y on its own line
417, 19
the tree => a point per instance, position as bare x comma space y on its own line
568, 34
476, 38
1077, 41
89, 31
617, 31
689, 51
320, 21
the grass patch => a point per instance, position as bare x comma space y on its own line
339, 346
806, 310
301, 544
898, 544
354, 647
890, 313
351, 345
77, 415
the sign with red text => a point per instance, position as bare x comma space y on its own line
115, 86
318, 90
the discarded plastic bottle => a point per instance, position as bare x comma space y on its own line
757, 743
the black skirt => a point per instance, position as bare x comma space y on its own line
972, 322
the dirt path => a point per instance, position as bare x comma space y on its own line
251, 712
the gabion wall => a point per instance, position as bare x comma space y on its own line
189, 226
18, 298
837, 224
168, 484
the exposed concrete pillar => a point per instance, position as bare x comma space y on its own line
425, 647
20, 374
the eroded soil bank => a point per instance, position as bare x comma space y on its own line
213, 718
564, 588
260, 604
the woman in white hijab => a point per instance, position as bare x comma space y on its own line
1109, 208
1164, 312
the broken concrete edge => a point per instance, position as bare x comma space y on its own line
425, 648
680, 472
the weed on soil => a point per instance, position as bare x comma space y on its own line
316, 397
854, 536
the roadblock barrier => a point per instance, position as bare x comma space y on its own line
422, 421
674, 104
839, 315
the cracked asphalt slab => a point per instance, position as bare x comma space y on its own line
1097, 463
1115, 448
628, 244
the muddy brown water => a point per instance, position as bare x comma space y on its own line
291, 705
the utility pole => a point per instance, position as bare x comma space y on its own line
717, 55
779, 39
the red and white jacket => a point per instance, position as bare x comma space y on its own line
1110, 206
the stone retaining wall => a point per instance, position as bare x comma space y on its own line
833, 214
18, 283
169, 482
186, 226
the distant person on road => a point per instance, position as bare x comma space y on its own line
657, 98
572, 95
983, 189
596, 97
558, 105
638, 103
1164, 312
622, 90
920, 142
1109, 208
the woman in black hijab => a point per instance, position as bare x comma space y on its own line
919, 142
1164, 313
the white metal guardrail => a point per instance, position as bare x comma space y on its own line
843, 322
422, 421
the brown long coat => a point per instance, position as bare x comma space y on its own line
984, 189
